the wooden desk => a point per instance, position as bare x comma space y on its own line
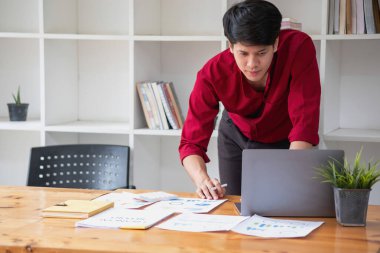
23, 230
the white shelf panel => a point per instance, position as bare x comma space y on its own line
176, 38
316, 37
353, 37
29, 125
349, 134
85, 37
91, 127
146, 131
21, 35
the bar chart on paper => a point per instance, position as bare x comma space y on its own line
266, 227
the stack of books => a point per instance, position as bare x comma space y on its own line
160, 105
354, 17
291, 23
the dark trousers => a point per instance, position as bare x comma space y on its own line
231, 143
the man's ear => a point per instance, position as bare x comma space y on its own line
275, 46
231, 46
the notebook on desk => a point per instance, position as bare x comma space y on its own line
279, 182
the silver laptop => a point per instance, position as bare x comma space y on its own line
281, 182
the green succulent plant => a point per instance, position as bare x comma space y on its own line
17, 97
358, 175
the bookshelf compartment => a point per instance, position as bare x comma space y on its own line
106, 17
308, 12
87, 81
178, 17
158, 157
14, 155
26, 13
176, 62
352, 88
19, 67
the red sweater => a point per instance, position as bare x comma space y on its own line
287, 109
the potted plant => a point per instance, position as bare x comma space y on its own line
17, 110
352, 185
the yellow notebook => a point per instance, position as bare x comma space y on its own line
76, 209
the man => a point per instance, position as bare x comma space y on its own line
268, 82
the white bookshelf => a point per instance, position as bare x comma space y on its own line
77, 62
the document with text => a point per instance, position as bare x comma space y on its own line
124, 219
275, 228
124, 200
192, 222
187, 205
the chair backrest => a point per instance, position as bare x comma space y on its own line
86, 166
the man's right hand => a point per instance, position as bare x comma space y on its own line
210, 189
206, 187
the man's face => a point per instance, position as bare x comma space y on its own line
253, 61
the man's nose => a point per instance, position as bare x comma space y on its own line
252, 62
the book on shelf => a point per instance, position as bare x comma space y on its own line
148, 113
360, 23
154, 104
331, 17
348, 17
160, 105
119, 218
174, 101
376, 14
353, 17
336, 16
369, 17
342, 16
290, 23
76, 209
168, 106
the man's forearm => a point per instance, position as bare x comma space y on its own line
300, 145
195, 167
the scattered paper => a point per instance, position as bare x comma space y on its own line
187, 205
191, 222
156, 196
276, 228
124, 219
124, 200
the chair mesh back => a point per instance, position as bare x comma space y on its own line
80, 166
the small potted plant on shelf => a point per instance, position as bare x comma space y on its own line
17, 110
352, 185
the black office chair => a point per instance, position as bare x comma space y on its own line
86, 166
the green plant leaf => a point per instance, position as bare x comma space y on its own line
357, 175
17, 97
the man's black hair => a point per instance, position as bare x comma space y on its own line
252, 22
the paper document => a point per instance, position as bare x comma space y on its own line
187, 205
276, 228
124, 219
124, 200
191, 222
156, 196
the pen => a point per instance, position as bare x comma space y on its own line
214, 188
